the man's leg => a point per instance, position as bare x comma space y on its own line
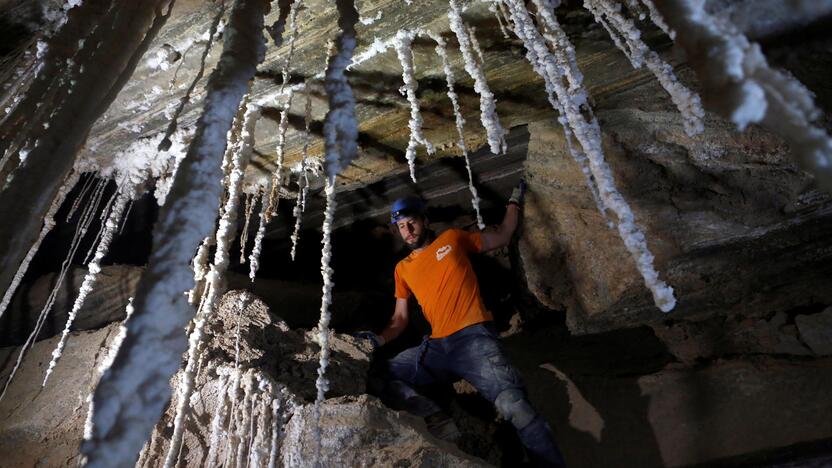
479, 358
406, 370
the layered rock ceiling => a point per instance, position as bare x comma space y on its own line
737, 374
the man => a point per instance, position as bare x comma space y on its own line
463, 342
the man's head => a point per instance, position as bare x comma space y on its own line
408, 215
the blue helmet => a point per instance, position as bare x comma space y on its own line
407, 206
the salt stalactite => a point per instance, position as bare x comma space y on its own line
658, 19
244, 429
293, 35
216, 420
442, 51
405, 54
254, 257
233, 396
475, 43
322, 383
200, 266
735, 75
277, 178
276, 423
627, 37
340, 124
559, 41
94, 268
166, 142
249, 210
303, 179
258, 448
81, 231
224, 237
130, 396
48, 225
494, 8
115, 345
588, 133
297, 211
83, 193
488, 107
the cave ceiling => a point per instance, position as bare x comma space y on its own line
143, 107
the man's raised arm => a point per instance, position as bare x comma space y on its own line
501, 237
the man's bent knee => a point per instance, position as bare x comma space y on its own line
513, 406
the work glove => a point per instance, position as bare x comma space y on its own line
518, 195
376, 340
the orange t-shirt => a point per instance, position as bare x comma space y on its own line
444, 283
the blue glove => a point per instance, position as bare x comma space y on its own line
376, 340
518, 195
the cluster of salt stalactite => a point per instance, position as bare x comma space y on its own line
567, 60
277, 177
627, 37
130, 396
48, 224
417, 137
742, 86
84, 222
130, 169
441, 50
303, 178
246, 423
224, 237
488, 107
588, 134
94, 268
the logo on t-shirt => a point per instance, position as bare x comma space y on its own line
442, 251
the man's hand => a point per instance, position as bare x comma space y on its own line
376, 340
518, 195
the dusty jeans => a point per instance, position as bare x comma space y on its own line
476, 355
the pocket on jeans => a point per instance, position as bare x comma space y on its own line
505, 375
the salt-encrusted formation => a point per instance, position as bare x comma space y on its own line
739, 83
249, 211
254, 258
48, 224
627, 38
256, 373
84, 223
263, 413
340, 124
488, 106
277, 178
303, 177
404, 39
107, 234
131, 390
226, 231
323, 332
442, 51
588, 134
